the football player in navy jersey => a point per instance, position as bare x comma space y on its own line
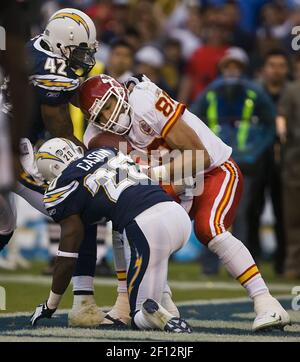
57, 58
106, 184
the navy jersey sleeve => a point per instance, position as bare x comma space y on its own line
62, 198
53, 81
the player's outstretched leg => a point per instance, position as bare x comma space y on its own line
214, 212
240, 264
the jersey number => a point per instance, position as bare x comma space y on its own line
106, 178
55, 66
165, 104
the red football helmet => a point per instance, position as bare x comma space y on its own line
95, 92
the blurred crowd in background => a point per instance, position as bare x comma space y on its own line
236, 65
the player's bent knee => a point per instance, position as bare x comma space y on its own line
203, 233
4, 239
225, 244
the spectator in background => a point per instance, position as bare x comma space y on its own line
149, 61
293, 21
185, 25
101, 12
274, 79
243, 116
250, 11
289, 118
201, 68
229, 16
275, 21
120, 60
133, 38
173, 65
296, 68
275, 27
275, 72
145, 21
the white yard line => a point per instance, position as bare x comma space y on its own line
183, 285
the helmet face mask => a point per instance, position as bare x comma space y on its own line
82, 58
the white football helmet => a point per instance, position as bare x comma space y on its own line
72, 34
55, 155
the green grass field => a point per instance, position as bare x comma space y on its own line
209, 303
24, 297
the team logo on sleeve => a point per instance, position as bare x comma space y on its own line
55, 197
146, 129
54, 82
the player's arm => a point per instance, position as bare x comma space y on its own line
58, 122
72, 232
164, 115
182, 137
75, 100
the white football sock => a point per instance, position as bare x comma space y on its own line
83, 283
53, 300
238, 261
119, 261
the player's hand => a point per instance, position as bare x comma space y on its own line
134, 80
28, 162
41, 311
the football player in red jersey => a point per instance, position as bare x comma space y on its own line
150, 118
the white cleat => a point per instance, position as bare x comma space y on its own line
86, 314
161, 319
270, 314
119, 312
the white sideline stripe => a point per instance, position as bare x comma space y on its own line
183, 285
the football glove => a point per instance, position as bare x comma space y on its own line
28, 162
136, 79
41, 311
